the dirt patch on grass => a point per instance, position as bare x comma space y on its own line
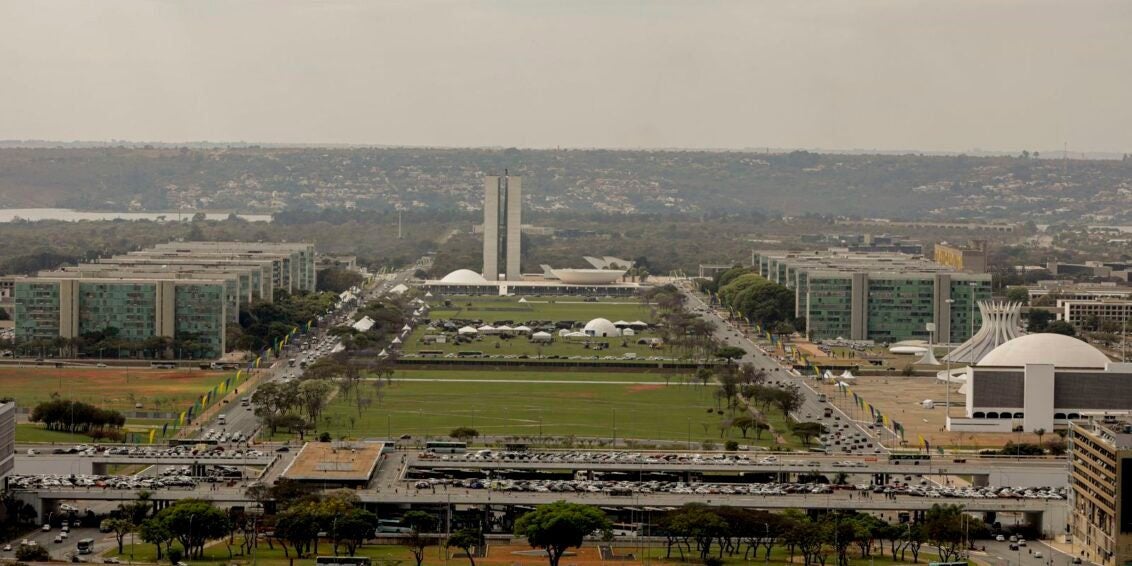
644, 387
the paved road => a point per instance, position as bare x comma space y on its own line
63, 550
243, 419
812, 409
999, 554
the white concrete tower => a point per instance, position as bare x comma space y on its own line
513, 189
491, 228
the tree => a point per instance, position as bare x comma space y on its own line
943, 527
353, 528
155, 532
464, 433
420, 523
1040, 432
559, 526
313, 394
807, 431
28, 553
121, 528
466, 540
1061, 327
730, 353
1018, 295
1038, 320
193, 522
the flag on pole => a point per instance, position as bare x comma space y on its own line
181, 421
152, 433
164, 429
257, 360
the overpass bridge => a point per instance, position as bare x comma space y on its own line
1048, 514
99, 463
983, 471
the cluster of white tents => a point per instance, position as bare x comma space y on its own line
504, 330
841, 379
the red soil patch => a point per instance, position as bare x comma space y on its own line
644, 387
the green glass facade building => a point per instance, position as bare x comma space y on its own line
883, 297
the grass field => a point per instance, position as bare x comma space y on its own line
498, 555
529, 404
493, 309
110, 388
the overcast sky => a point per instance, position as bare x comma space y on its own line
948, 75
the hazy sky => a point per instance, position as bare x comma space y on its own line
946, 75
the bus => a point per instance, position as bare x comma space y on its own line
163, 365
915, 458
85, 546
342, 561
446, 447
392, 526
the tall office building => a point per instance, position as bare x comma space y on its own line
1100, 455
502, 226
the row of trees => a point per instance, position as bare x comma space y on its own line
701, 530
755, 298
75, 416
686, 333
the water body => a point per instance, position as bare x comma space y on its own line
69, 215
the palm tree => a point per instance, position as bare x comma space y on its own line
1040, 432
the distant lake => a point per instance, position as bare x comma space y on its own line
68, 215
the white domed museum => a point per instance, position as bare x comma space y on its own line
1041, 381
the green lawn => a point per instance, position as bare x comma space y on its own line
493, 309
30, 432
110, 388
644, 411
392, 555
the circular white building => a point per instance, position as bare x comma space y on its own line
1041, 381
464, 277
588, 276
601, 327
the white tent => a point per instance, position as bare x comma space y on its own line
486, 329
396, 341
522, 299
428, 293
628, 332
576, 335
541, 337
364, 324
563, 332
621, 324
504, 328
927, 404
400, 288
523, 329
848, 375
406, 328
383, 353
467, 330
842, 385
639, 325
827, 375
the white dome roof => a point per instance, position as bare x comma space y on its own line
464, 277
601, 327
1057, 349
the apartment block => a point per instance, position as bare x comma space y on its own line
1100, 457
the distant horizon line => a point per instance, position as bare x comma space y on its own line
975, 152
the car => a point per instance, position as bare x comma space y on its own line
7, 547
101, 365
1013, 546
1021, 541
58, 539
1037, 554
282, 449
46, 527
1000, 538
1076, 559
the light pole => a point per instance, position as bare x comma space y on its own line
190, 538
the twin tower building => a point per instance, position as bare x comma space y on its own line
502, 227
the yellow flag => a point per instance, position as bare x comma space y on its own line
181, 421
152, 432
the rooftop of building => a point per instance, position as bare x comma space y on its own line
1114, 429
335, 461
838, 261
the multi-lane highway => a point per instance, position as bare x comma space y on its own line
812, 408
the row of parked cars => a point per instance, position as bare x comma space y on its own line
182, 451
610, 457
44, 481
625, 487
